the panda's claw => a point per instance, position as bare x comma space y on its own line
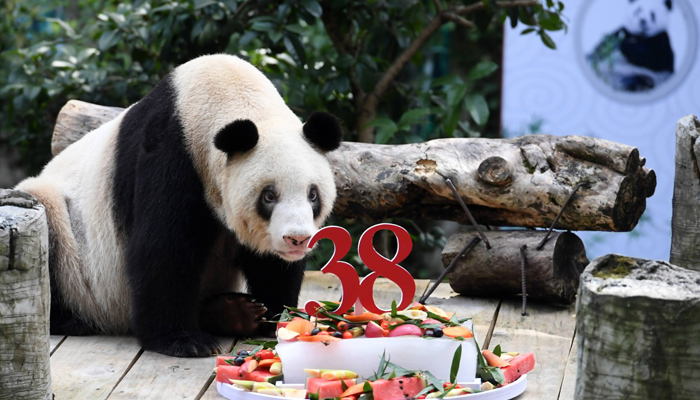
185, 344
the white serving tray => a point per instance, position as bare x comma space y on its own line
503, 393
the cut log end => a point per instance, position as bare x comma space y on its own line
552, 273
630, 202
639, 319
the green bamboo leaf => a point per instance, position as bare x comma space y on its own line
432, 380
497, 350
477, 107
456, 359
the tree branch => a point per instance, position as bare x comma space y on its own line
459, 20
501, 4
368, 107
372, 99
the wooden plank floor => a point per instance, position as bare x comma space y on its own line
108, 367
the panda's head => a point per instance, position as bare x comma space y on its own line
278, 187
647, 17
265, 174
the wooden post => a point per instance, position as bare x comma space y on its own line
551, 274
24, 298
638, 325
685, 233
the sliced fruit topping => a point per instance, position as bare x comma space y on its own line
457, 331
355, 390
287, 334
363, 317
300, 326
494, 360
337, 374
406, 330
414, 314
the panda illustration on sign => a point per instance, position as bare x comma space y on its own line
155, 216
638, 56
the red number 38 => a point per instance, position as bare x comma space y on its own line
351, 285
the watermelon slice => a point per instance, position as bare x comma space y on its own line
397, 388
519, 365
327, 389
225, 373
221, 360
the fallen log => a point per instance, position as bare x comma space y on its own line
637, 330
522, 181
551, 274
24, 298
685, 223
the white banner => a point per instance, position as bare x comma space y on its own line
626, 71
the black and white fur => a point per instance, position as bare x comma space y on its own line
154, 216
645, 59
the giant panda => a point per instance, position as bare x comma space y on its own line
156, 216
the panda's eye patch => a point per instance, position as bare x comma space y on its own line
315, 200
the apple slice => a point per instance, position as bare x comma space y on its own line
287, 335
373, 330
406, 330
300, 326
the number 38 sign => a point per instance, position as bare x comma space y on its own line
354, 289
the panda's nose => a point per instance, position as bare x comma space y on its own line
296, 241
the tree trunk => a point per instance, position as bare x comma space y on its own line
685, 242
638, 330
24, 298
508, 182
551, 274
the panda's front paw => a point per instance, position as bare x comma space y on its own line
231, 314
184, 344
17, 198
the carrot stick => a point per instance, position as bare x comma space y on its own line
494, 360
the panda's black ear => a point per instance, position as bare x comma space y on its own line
669, 5
237, 137
323, 131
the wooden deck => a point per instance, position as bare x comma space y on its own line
109, 367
